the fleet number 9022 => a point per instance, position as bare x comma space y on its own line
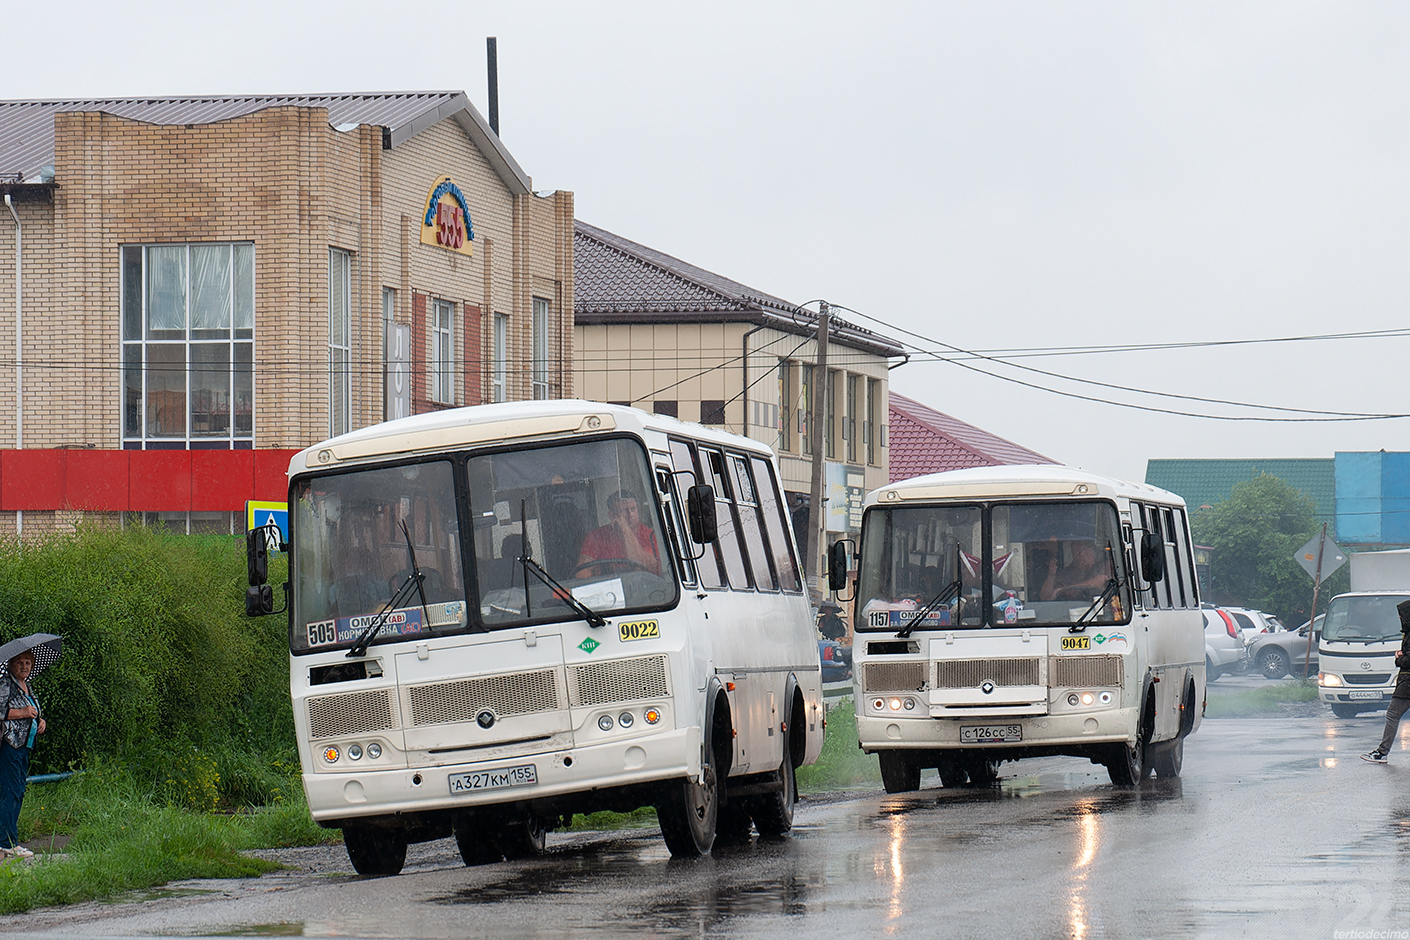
629, 630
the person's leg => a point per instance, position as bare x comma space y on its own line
12, 774
1397, 708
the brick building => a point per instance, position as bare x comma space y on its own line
193, 288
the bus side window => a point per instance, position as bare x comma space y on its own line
771, 507
730, 546
1150, 522
675, 525
1174, 559
747, 504
709, 566
1187, 558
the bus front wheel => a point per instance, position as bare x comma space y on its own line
374, 850
898, 775
690, 810
773, 812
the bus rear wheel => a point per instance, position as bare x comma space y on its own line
476, 841
773, 812
1168, 760
898, 774
374, 850
689, 811
524, 837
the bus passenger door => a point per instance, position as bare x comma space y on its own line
697, 653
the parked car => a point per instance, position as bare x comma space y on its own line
836, 661
1251, 622
1278, 654
1224, 649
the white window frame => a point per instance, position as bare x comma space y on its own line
442, 352
339, 341
500, 355
138, 414
541, 353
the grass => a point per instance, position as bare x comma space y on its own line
842, 765
1261, 702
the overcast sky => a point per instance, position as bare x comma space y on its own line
989, 176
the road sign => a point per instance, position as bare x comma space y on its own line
259, 514
1332, 556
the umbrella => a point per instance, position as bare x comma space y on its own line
46, 648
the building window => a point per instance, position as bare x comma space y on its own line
785, 405
712, 411
188, 316
869, 429
805, 412
541, 348
830, 415
849, 419
339, 341
670, 409
501, 358
442, 352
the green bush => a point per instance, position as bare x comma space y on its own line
842, 765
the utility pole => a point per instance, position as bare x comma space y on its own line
816, 518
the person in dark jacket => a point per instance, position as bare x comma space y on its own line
1400, 699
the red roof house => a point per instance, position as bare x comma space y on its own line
924, 440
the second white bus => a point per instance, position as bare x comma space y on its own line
1013, 612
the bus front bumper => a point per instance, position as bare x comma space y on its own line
659, 757
1107, 726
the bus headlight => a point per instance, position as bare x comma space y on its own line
1104, 698
1088, 698
605, 722
374, 750
355, 751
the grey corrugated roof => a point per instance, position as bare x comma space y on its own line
616, 280
27, 127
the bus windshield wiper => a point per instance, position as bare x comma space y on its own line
593, 618
950, 592
1113, 585
402, 595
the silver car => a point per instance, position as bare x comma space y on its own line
1278, 654
1224, 649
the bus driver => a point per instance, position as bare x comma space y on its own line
624, 540
1082, 578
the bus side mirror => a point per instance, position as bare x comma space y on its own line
259, 600
700, 503
257, 559
1152, 557
837, 565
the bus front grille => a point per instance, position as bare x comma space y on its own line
520, 693
1077, 671
970, 673
350, 713
618, 680
894, 677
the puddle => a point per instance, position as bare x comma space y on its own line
159, 894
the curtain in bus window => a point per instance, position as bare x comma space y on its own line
731, 548
775, 523
747, 503
709, 564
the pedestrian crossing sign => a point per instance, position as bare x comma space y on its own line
258, 513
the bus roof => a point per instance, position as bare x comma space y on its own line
455, 428
1016, 482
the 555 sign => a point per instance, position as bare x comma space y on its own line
446, 222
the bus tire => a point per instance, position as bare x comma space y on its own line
898, 774
773, 812
374, 850
1168, 759
952, 773
477, 843
524, 837
1129, 764
733, 826
689, 810
982, 771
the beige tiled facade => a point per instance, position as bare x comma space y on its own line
294, 186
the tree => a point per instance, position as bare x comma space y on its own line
1255, 534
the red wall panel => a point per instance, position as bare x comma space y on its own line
161, 480
221, 479
98, 480
272, 475
31, 479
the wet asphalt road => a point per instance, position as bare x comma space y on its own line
1276, 829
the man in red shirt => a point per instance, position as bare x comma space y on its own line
623, 543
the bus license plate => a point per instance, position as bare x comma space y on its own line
1364, 696
991, 734
524, 776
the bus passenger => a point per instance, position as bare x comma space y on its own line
1083, 578
623, 543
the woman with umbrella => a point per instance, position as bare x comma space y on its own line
22, 722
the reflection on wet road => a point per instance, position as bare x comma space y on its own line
1275, 829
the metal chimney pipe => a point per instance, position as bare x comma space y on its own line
492, 64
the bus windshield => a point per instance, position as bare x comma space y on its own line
1041, 564
351, 552
1364, 619
587, 515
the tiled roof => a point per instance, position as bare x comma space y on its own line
923, 440
1206, 482
27, 127
616, 280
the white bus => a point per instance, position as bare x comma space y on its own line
1011, 612
506, 614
